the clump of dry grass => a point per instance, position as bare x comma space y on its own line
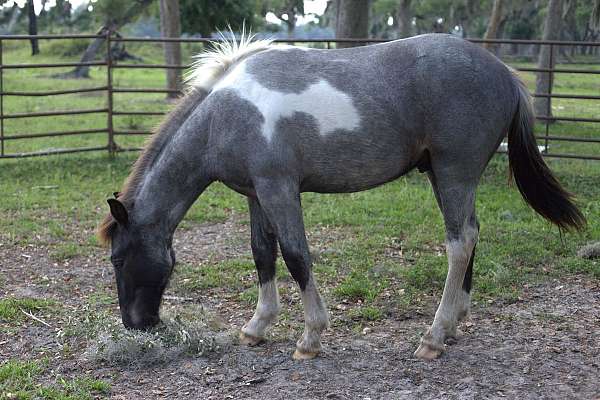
590, 251
177, 335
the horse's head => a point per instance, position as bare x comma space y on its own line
143, 263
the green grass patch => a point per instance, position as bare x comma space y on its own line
231, 274
357, 287
366, 313
11, 309
21, 380
250, 295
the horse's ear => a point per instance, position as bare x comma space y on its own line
116, 194
118, 211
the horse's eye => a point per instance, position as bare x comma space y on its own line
116, 262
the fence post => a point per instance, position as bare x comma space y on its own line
1, 99
549, 98
112, 147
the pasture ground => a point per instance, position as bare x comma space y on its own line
379, 259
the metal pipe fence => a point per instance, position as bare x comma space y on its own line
111, 65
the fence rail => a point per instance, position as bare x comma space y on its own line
112, 146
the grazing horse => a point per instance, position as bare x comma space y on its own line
271, 122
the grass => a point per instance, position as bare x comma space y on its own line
236, 274
188, 332
367, 313
11, 309
19, 380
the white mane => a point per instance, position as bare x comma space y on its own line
212, 65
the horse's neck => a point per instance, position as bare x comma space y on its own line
171, 185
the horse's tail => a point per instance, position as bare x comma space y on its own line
536, 182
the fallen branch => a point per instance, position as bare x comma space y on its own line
30, 315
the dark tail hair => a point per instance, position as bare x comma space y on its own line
537, 184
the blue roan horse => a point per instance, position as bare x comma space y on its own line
272, 121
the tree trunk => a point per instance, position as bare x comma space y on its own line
83, 71
170, 26
404, 18
543, 81
94, 47
14, 17
352, 21
35, 49
291, 26
493, 25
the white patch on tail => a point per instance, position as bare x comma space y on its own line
212, 65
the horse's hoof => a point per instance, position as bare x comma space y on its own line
304, 355
250, 340
426, 352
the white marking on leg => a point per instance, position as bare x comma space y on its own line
316, 319
331, 108
267, 310
455, 301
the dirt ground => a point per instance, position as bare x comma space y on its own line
546, 345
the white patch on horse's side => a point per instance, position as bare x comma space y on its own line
331, 108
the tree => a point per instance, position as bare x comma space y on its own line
113, 17
287, 11
206, 16
543, 82
57, 18
494, 24
35, 49
352, 20
404, 18
467, 15
170, 26
14, 16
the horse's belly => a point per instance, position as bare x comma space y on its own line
353, 174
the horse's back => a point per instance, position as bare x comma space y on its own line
350, 119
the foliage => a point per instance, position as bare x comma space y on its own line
521, 19
58, 18
206, 16
287, 11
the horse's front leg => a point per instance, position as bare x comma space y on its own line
264, 251
280, 200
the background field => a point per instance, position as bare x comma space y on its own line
379, 258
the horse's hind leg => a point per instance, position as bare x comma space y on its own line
456, 199
264, 251
280, 200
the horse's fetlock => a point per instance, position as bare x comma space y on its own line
310, 342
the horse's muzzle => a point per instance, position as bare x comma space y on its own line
142, 323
